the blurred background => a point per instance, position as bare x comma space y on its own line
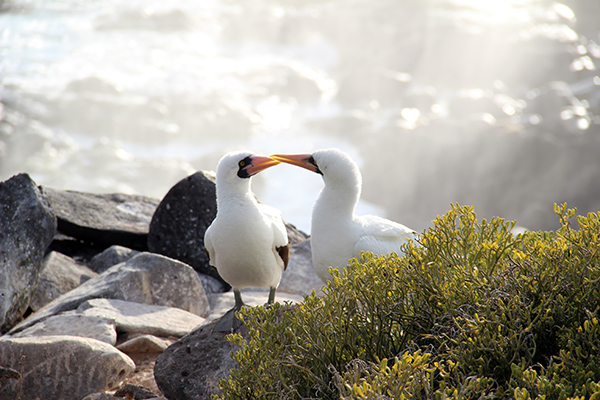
494, 103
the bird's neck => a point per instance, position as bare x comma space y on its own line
336, 204
234, 195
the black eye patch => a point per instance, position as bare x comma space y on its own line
243, 164
311, 160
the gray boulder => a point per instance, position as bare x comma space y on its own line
61, 367
191, 368
27, 226
146, 278
59, 275
105, 219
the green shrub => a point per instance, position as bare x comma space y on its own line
472, 312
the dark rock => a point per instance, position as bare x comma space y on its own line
62, 367
27, 226
146, 278
178, 225
112, 256
105, 219
191, 368
59, 275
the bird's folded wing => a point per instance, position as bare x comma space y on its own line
280, 238
208, 246
381, 236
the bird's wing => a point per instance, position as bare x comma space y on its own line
208, 246
381, 236
280, 238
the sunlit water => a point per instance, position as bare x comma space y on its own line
113, 96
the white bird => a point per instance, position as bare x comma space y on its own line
247, 242
337, 234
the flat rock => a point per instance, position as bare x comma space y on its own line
62, 367
191, 368
145, 344
178, 225
103, 218
146, 278
27, 226
59, 275
300, 276
73, 324
112, 256
142, 318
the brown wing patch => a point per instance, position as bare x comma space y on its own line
284, 253
207, 255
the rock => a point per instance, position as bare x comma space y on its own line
112, 256
135, 392
212, 285
73, 324
191, 368
106, 219
27, 226
294, 234
145, 344
62, 367
59, 275
101, 396
142, 318
300, 276
178, 225
146, 278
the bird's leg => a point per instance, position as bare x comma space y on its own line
229, 322
238, 299
271, 295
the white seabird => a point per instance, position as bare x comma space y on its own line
247, 242
337, 234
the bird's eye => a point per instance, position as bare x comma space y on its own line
242, 163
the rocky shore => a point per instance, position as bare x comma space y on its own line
111, 296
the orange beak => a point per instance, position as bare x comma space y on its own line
301, 160
260, 163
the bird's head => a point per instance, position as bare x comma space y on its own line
241, 165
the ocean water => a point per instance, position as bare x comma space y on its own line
491, 103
